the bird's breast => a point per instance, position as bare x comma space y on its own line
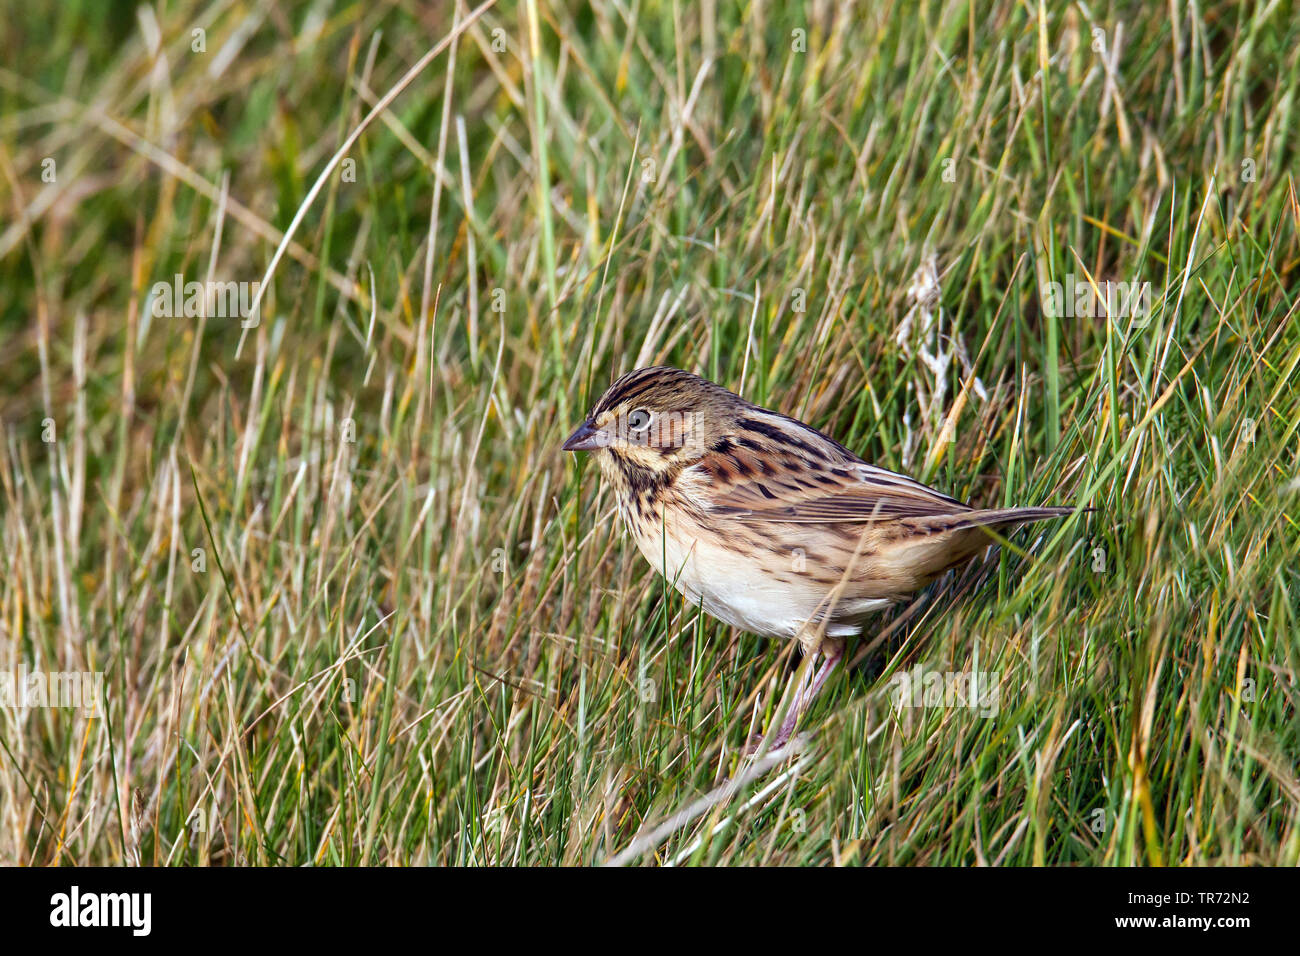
740, 575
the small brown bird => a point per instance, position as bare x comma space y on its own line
766, 523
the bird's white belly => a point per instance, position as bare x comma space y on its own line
741, 594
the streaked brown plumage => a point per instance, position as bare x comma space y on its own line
765, 522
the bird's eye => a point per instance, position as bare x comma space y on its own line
638, 420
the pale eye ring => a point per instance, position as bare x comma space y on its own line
638, 420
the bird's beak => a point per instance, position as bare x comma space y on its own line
587, 438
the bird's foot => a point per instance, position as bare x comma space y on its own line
778, 740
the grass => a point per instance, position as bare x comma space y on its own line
352, 606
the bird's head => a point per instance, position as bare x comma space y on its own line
657, 419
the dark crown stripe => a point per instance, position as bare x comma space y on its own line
635, 384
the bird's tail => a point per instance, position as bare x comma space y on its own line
946, 541
998, 518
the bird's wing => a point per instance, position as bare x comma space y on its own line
763, 484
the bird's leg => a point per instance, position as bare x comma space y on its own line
832, 652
